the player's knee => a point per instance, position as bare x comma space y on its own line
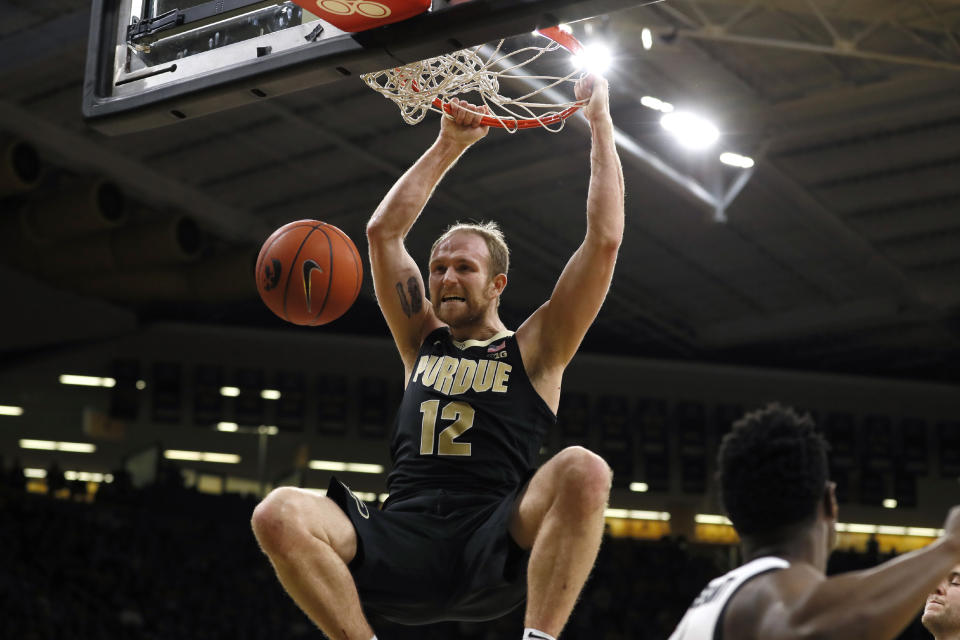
276, 520
586, 479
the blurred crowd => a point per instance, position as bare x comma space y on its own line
167, 562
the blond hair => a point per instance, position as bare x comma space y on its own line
491, 233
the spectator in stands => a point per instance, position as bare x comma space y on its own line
941, 615
17, 480
55, 478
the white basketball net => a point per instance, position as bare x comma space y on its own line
415, 86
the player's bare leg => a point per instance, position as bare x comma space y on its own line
309, 540
560, 518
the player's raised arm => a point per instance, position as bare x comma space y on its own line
397, 281
551, 336
876, 603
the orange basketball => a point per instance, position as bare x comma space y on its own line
309, 272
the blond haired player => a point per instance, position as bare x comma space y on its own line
472, 528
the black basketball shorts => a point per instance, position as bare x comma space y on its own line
435, 557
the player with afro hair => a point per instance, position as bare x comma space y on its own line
772, 469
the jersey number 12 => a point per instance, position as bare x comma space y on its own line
462, 415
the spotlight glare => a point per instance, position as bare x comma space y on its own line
595, 58
656, 104
736, 160
646, 37
563, 26
690, 130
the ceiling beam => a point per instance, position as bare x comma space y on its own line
86, 153
46, 40
858, 250
947, 30
634, 152
842, 48
799, 322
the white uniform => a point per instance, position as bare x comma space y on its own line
704, 619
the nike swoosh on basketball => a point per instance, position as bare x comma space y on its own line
309, 266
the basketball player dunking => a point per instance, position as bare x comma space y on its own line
469, 529
773, 480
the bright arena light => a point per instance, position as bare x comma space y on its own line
335, 465
656, 104
711, 518
595, 58
87, 381
201, 456
633, 514
646, 37
736, 160
690, 130
50, 445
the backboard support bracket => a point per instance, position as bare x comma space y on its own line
127, 89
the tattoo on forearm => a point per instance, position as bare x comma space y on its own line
416, 298
414, 303
404, 303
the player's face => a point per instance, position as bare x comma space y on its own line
941, 614
461, 287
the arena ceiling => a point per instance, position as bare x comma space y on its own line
839, 251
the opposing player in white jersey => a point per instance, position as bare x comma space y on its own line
773, 481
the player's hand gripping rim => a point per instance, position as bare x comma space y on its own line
463, 123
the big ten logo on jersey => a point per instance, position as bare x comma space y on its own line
712, 591
453, 376
497, 351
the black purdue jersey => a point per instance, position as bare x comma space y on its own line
470, 420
